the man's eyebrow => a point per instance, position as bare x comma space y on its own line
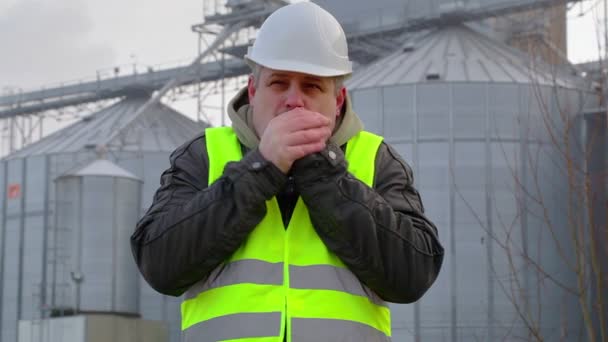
313, 78
278, 74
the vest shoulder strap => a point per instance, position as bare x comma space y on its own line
222, 147
361, 153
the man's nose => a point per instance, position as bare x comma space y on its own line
294, 98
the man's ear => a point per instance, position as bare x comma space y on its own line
251, 88
340, 100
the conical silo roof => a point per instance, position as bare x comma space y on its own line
458, 53
100, 167
160, 128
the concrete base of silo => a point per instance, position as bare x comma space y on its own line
92, 328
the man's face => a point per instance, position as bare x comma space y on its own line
277, 92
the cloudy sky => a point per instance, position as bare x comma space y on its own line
44, 42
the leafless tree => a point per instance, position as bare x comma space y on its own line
556, 246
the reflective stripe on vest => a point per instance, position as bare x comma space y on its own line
284, 279
256, 326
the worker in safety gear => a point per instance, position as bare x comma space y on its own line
294, 224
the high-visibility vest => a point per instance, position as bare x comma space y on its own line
284, 281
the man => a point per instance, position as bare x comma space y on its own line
294, 224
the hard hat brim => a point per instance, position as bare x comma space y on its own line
301, 67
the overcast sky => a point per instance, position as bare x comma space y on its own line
43, 42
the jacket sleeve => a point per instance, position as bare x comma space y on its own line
191, 228
380, 234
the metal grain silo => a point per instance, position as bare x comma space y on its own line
476, 120
28, 225
97, 208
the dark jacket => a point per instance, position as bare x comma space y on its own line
380, 234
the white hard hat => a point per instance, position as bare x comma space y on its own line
301, 37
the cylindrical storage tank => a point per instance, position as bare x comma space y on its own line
97, 208
483, 127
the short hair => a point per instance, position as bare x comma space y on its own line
256, 71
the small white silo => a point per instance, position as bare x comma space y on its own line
97, 207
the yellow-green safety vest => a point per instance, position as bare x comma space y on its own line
284, 280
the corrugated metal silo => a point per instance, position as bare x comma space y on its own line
471, 116
97, 208
28, 249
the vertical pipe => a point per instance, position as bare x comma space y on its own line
29, 131
45, 235
2, 128
163, 307
55, 246
115, 187
140, 211
380, 118
2, 137
586, 219
489, 192
452, 226
79, 243
605, 36
3, 238
11, 142
199, 105
222, 110
21, 240
23, 130
523, 201
40, 128
604, 80
417, 329
594, 139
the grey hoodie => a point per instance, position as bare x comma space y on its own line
239, 112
